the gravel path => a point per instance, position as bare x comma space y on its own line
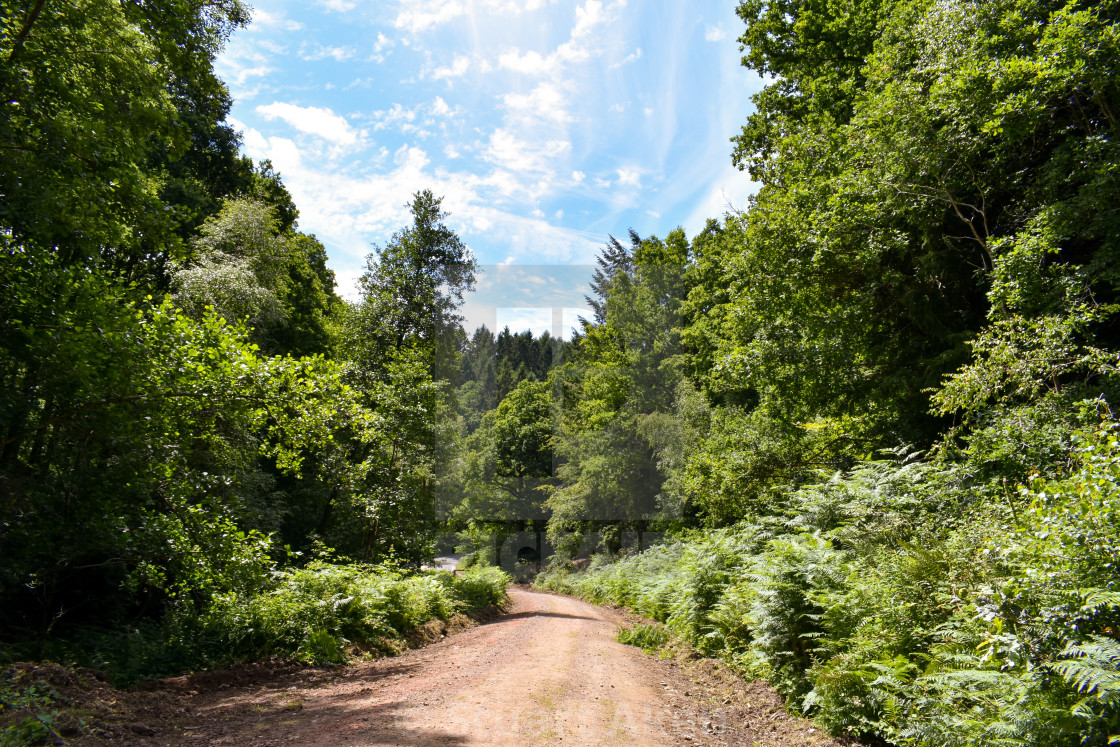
547, 672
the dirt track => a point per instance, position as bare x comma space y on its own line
548, 672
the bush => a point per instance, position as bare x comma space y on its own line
648, 638
313, 613
902, 601
318, 614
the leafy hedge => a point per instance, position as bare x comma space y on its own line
900, 600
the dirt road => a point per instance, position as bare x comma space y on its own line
548, 672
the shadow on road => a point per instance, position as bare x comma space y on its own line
522, 615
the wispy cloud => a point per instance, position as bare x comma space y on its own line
715, 33
588, 16
381, 48
524, 156
339, 54
313, 120
396, 115
420, 15
629, 177
459, 67
545, 102
340, 6
578, 48
262, 19
632, 57
244, 66
545, 124
346, 207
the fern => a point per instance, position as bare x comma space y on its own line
1092, 668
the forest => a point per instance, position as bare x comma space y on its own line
868, 415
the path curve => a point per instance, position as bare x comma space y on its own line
548, 672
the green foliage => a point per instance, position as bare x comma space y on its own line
28, 709
1092, 668
315, 612
246, 269
875, 615
102, 101
648, 638
170, 423
323, 613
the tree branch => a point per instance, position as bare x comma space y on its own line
21, 37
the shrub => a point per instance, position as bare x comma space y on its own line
902, 601
648, 638
312, 613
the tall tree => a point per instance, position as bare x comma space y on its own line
87, 143
414, 285
400, 344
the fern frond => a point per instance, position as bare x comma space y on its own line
1092, 668
1095, 599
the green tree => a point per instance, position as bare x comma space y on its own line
87, 143
622, 370
399, 344
414, 285
245, 267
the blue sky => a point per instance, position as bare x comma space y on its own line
545, 124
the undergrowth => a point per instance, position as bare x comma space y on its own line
649, 638
904, 600
321, 613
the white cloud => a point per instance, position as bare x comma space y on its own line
339, 5
237, 74
313, 120
715, 34
346, 281
401, 118
380, 46
512, 7
543, 102
421, 15
245, 59
587, 17
629, 177
520, 319
339, 54
516, 134
440, 107
522, 156
533, 63
264, 19
530, 63
456, 69
632, 57
578, 48
349, 207
395, 115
